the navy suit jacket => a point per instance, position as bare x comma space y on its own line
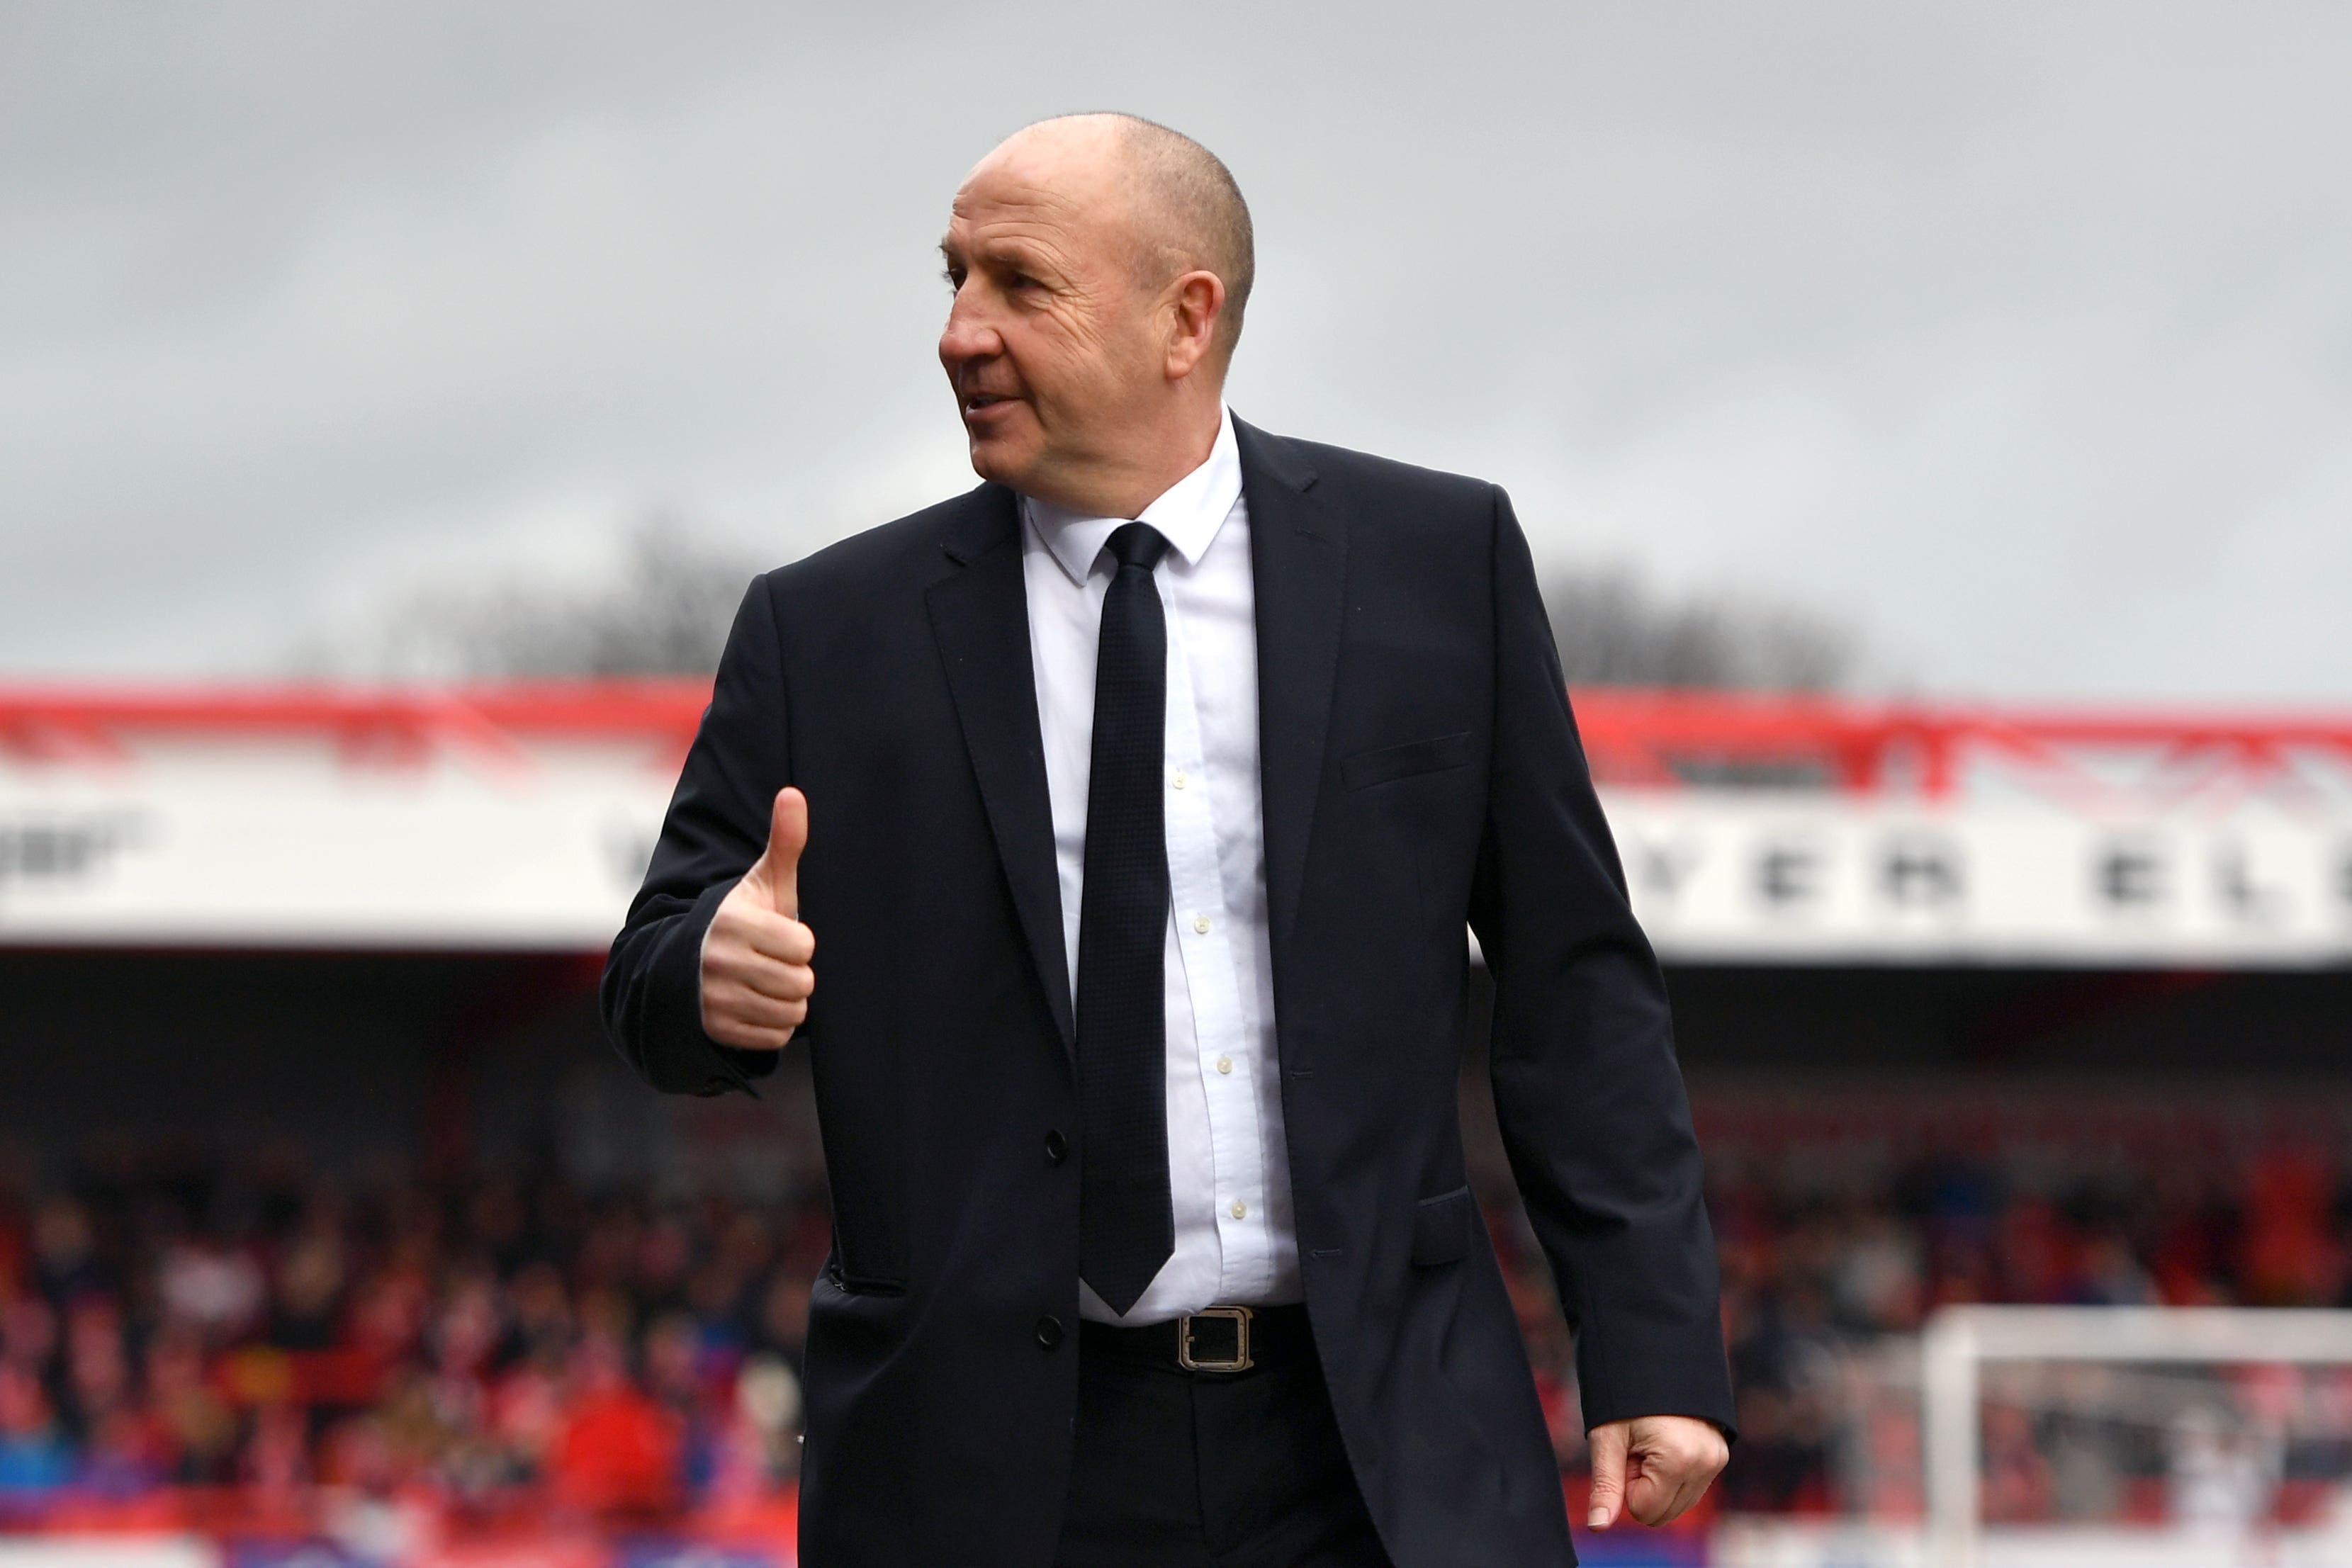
1421, 769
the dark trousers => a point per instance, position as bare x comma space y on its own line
1190, 1469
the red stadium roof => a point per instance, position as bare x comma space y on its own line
1635, 739
1655, 738
92, 723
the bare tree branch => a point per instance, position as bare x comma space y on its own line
667, 610
665, 613
1611, 630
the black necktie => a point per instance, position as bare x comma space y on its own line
1127, 1227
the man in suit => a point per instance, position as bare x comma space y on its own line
1141, 796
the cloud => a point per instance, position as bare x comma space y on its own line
2022, 335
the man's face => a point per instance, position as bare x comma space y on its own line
1050, 342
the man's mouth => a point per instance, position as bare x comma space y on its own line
975, 402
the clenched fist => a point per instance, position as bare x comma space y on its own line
756, 977
1652, 1466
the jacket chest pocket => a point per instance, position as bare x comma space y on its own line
1385, 763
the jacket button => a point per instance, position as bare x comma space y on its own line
1049, 1332
1057, 1147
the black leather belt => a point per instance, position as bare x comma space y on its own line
1215, 1339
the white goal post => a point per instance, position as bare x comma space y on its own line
1959, 1340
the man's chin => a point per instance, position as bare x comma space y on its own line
1002, 461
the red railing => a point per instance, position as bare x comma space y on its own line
383, 725
1635, 739
510, 1516
1643, 738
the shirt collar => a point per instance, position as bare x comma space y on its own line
1189, 513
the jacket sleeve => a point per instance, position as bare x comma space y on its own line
716, 827
1590, 1098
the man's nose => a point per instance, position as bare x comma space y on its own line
967, 335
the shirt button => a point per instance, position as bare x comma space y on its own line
1057, 1147
1225, 1064
1049, 1332
1179, 780
1201, 924
1240, 1209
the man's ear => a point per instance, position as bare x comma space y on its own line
1195, 302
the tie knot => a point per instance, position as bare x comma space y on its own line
1137, 544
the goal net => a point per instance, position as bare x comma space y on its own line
2143, 1436
2079, 1437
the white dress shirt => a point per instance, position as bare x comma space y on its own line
1228, 1168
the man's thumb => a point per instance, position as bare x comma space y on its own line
1608, 1447
787, 837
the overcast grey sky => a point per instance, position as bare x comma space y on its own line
2022, 335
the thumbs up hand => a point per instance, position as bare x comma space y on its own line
756, 977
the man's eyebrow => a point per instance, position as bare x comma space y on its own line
1014, 250
997, 251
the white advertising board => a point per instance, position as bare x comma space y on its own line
125, 1550
1729, 876
288, 847
292, 853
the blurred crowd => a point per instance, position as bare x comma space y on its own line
168, 1322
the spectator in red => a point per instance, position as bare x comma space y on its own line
618, 1453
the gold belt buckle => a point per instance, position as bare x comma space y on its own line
1240, 1360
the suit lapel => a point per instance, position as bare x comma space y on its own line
980, 614
1299, 556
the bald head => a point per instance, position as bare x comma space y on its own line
1099, 265
1184, 209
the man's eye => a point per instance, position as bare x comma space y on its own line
1023, 280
